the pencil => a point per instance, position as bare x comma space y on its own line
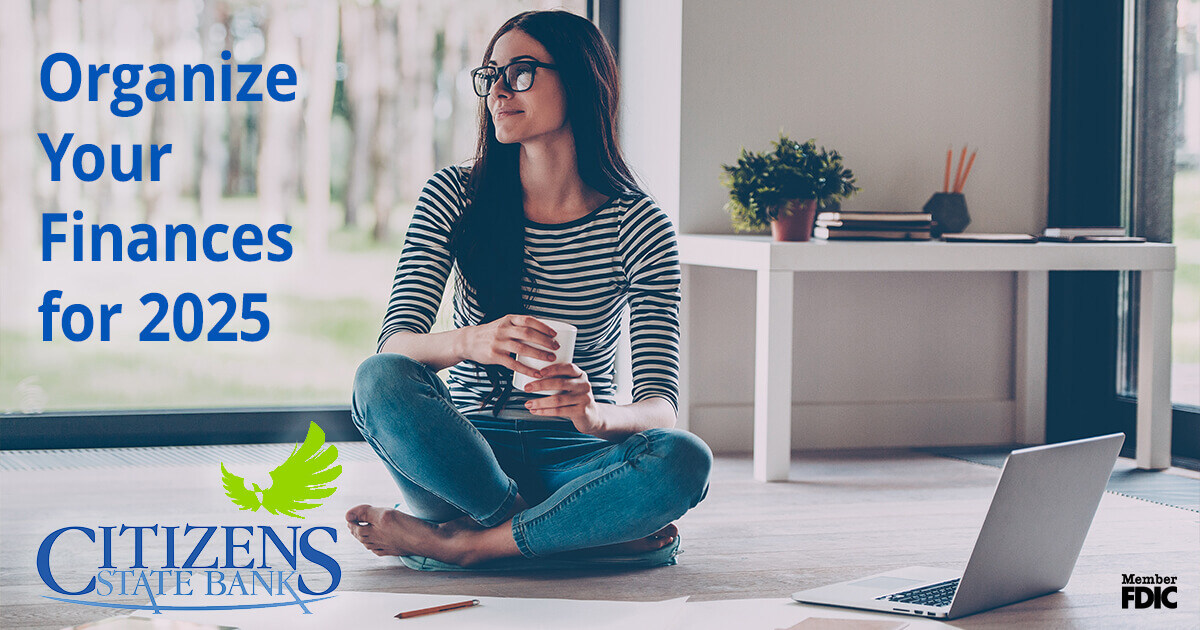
970, 163
437, 609
962, 158
946, 183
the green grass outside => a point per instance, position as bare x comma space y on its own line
308, 358
311, 361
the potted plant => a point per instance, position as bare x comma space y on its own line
783, 187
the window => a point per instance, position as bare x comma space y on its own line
384, 99
1185, 374
1116, 117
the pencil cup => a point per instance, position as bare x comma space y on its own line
949, 212
564, 334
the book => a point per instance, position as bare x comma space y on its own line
989, 238
893, 235
1070, 232
1094, 239
876, 225
875, 216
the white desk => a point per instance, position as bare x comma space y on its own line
774, 264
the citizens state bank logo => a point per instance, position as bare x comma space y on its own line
190, 566
301, 478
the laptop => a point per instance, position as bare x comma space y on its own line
1030, 540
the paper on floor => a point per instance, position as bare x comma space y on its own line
365, 611
773, 614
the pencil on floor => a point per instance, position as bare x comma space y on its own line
437, 609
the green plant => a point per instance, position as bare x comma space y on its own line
761, 183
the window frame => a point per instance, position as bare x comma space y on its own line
173, 427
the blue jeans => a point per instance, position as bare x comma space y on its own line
585, 491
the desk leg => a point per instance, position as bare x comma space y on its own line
1154, 371
1032, 332
773, 376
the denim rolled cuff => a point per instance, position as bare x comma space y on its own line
518, 532
497, 517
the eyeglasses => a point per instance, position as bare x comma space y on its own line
518, 76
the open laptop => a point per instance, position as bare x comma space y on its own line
1031, 537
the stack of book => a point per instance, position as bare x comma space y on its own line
895, 226
1089, 235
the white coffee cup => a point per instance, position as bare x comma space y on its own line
564, 334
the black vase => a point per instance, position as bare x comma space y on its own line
949, 212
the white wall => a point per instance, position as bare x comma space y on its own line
651, 75
881, 359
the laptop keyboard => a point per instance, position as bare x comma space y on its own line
940, 594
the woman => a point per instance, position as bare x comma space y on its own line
549, 223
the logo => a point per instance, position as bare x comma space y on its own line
1148, 591
302, 477
226, 567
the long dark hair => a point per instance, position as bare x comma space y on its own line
488, 241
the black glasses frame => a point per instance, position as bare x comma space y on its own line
501, 73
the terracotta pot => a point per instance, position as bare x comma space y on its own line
795, 222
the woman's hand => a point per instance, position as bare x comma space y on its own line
494, 343
575, 403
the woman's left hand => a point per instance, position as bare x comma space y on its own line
575, 403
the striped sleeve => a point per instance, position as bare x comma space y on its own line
425, 260
650, 258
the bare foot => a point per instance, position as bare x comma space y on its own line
389, 532
657, 540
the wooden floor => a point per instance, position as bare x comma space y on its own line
844, 515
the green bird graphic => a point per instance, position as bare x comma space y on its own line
302, 477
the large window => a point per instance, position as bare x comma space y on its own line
1185, 377
1122, 152
383, 100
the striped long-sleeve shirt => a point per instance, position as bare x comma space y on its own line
584, 272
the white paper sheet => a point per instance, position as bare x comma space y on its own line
351, 610
772, 614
